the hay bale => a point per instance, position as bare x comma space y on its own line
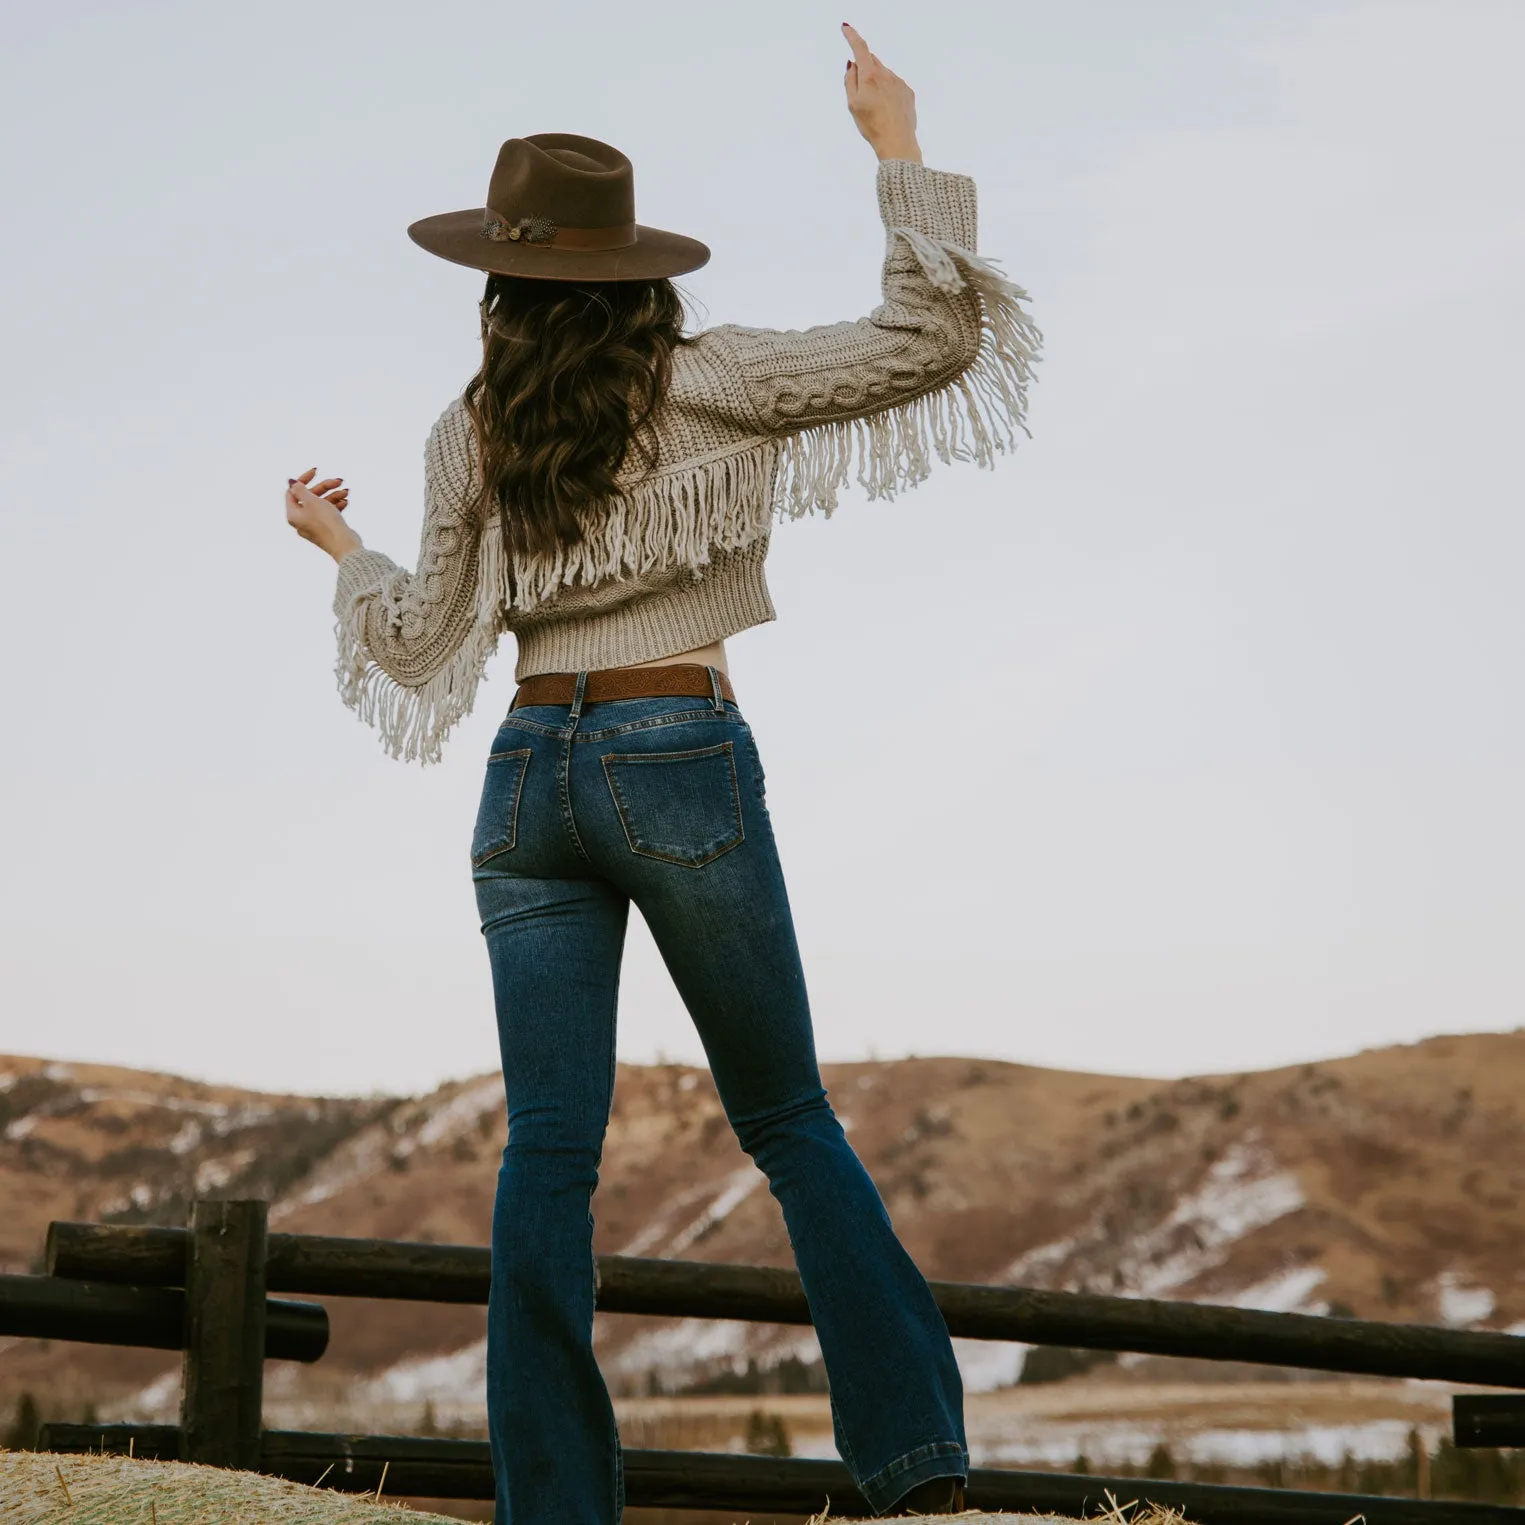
1126, 1514
39, 1488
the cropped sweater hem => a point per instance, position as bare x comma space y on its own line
697, 613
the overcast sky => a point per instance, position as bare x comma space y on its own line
1189, 739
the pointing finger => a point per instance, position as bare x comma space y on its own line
860, 48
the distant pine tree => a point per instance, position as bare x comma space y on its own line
22, 1435
766, 1435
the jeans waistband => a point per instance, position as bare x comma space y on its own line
673, 680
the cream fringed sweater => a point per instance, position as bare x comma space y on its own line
757, 424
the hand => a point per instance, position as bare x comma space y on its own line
882, 104
315, 513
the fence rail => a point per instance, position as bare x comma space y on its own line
116, 1276
696, 1289
462, 1469
149, 1317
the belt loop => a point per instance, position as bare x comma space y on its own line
577, 697
715, 689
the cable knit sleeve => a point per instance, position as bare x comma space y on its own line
941, 365
412, 645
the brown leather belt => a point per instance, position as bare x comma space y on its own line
682, 679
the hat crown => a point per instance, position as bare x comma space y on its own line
560, 207
575, 181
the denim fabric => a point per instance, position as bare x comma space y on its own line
585, 809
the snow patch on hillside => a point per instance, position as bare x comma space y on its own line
986, 1365
685, 1350
664, 1239
463, 1113
225, 1117
738, 1187
1289, 1292
406, 1130
457, 1380
363, 1155
1242, 1191
676, 1353
1130, 1443
157, 1403
1461, 1302
212, 1175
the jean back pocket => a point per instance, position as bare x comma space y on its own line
497, 824
680, 807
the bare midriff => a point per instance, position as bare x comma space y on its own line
712, 655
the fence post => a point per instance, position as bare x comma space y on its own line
223, 1383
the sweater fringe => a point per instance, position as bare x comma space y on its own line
972, 418
669, 520
666, 521
414, 720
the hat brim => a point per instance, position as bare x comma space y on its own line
457, 236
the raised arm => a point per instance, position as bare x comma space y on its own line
940, 366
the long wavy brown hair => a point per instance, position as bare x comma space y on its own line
572, 374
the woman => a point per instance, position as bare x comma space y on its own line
604, 488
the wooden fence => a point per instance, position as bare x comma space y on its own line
120, 1284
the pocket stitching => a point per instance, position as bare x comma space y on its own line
513, 818
680, 717
758, 774
727, 747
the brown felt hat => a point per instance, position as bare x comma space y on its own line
560, 207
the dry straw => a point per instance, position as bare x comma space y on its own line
1133, 1513
116, 1490
1116, 1514
40, 1489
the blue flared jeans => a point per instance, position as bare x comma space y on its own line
586, 808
